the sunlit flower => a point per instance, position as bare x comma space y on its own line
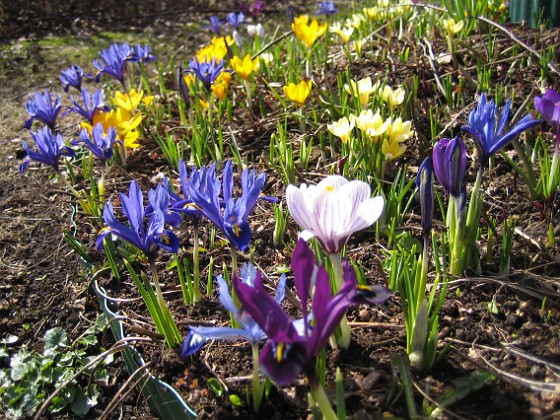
217, 49
425, 184
344, 33
371, 12
363, 88
99, 143
244, 68
355, 21
392, 149
72, 77
266, 58
128, 101
49, 149
144, 54
487, 127
215, 24
333, 210
235, 19
257, 29
392, 97
326, 8
113, 61
372, 125
291, 351
207, 71
398, 131
342, 128
44, 108
308, 32
255, 10
298, 93
221, 85
91, 104
450, 163
147, 238
452, 27
359, 45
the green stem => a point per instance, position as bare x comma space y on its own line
196, 298
343, 333
320, 397
257, 385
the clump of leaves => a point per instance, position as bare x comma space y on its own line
32, 376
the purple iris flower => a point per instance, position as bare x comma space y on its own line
149, 238
248, 328
215, 24
425, 184
233, 221
144, 54
43, 107
326, 8
290, 351
207, 71
92, 104
548, 105
450, 163
99, 143
114, 61
255, 10
183, 88
235, 19
50, 149
486, 127
72, 77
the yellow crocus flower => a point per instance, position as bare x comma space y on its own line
372, 125
363, 88
244, 68
308, 32
392, 97
452, 27
342, 128
128, 101
392, 149
298, 93
217, 49
220, 86
399, 131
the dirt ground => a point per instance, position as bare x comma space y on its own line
497, 324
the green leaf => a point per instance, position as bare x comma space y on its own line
235, 400
215, 386
55, 337
88, 340
80, 405
20, 365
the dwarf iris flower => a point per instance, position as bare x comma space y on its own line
207, 71
487, 127
235, 19
100, 144
146, 238
326, 8
291, 351
50, 149
143, 54
72, 77
425, 184
113, 61
450, 164
215, 24
233, 222
91, 104
44, 108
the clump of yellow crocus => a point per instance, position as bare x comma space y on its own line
392, 97
221, 85
452, 27
244, 68
363, 88
308, 31
298, 93
370, 124
342, 129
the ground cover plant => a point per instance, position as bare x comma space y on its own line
287, 210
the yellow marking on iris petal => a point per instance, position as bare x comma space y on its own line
165, 238
105, 229
279, 352
236, 230
193, 205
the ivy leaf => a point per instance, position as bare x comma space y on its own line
55, 337
80, 404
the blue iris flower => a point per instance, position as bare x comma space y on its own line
146, 238
235, 19
233, 221
326, 8
99, 143
207, 71
215, 24
248, 328
72, 77
143, 54
487, 127
92, 104
44, 108
50, 149
113, 61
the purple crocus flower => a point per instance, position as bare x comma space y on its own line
72, 77
44, 108
113, 61
450, 164
99, 143
326, 8
255, 10
548, 105
50, 149
425, 184
207, 71
248, 328
146, 238
233, 221
215, 24
291, 351
92, 104
143, 54
235, 19
487, 127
